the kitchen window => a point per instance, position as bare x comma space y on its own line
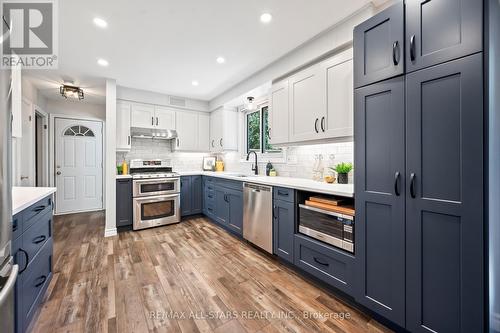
257, 132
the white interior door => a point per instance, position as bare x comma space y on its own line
78, 165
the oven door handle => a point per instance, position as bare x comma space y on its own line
326, 212
155, 181
155, 198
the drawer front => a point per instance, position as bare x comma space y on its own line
285, 194
41, 208
17, 226
231, 184
36, 236
34, 280
327, 264
210, 210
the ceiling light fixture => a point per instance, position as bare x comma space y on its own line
102, 62
100, 22
71, 91
250, 104
266, 18
220, 60
195, 83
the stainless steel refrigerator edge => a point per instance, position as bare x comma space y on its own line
8, 271
258, 215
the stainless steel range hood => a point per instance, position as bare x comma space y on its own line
153, 133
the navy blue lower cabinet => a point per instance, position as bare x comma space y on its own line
196, 195
335, 267
185, 195
235, 221
32, 249
380, 198
191, 195
221, 205
124, 208
444, 198
283, 229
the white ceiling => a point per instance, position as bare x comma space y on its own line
163, 45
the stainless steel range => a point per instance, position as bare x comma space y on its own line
156, 193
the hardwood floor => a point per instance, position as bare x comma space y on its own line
188, 277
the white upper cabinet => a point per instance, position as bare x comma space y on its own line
187, 131
123, 116
165, 118
338, 121
204, 131
278, 116
223, 130
307, 103
315, 103
143, 115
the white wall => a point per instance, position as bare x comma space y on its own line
326, 42
110, 163
151, 97
76, 108
30, 92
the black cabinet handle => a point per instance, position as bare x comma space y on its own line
323, 124
412, 48
321, 262
212, 143
316, 125
42, 280
274, 212
220, 141
412, 185
39, 209
26, 258
210, 197
129, 140
178, 141
397, 176
395, 53
39, 239
156, 121
152, 121
14, 226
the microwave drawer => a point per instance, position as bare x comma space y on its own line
330, 265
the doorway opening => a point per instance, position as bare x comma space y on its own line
41, 148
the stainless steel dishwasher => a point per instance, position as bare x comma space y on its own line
258, 215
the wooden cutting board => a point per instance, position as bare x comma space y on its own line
328, 201
347, 210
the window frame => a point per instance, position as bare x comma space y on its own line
278, 155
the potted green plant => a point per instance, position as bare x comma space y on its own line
342, 170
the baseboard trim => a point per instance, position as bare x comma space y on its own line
110, 232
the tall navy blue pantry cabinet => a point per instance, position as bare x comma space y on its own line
419, 165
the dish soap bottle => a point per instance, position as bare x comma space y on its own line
269, 167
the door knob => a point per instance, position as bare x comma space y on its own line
58, 173
24, 177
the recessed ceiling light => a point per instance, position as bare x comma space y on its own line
102, 62
266, 18
100, 22
220, 60
195, 83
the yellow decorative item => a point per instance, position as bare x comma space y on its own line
219, 166
273, 173
329, 179
124, 168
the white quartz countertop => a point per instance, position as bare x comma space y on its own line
123, 176
344, 190
23, 197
